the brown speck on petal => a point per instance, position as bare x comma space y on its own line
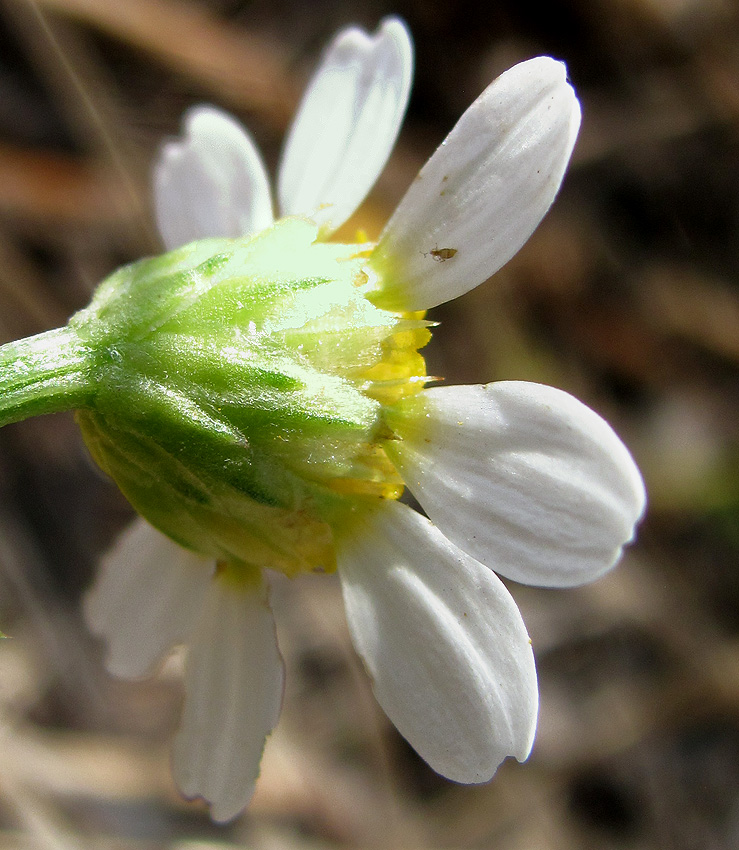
442, 254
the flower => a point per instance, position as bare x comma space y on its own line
516, 478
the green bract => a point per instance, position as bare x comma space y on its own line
235, 390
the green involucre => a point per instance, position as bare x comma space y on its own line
238, 390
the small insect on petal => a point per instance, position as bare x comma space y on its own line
442, 254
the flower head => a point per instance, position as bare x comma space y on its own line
259, 396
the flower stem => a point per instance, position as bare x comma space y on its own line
45, 373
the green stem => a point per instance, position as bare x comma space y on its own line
45, 373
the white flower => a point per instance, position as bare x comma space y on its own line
517, 478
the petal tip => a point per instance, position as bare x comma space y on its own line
396, 30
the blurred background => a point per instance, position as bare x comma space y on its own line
627, 296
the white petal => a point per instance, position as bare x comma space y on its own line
233, 686
347, 124
210, 181
146, 598
484, 191
444, 643
524, 477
